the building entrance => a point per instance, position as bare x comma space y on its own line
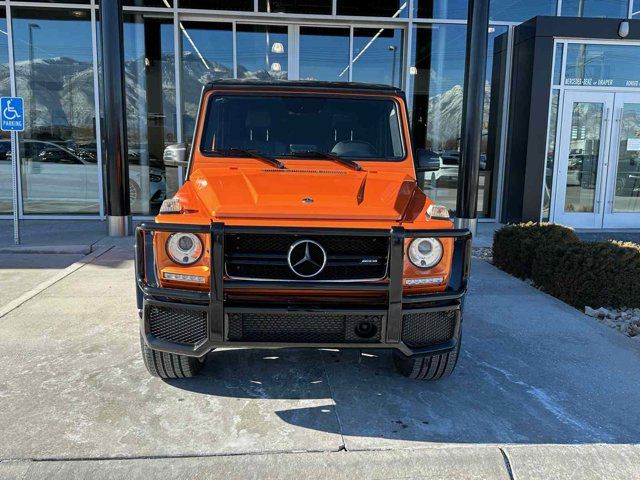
598, 178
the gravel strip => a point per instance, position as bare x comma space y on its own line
483, 253
625, 320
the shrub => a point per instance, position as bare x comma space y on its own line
516, 246
594, 274
599, 274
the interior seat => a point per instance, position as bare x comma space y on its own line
259, 133
354, 148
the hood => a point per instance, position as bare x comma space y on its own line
234, 193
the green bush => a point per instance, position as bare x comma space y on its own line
594, 274
516, 246
599, 274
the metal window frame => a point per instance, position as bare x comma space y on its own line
97, 116
502, 152
629, 9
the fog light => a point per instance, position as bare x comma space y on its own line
423, 281
185, 278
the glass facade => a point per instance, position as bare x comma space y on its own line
324, 53
453, 10
174, 47
149, 64
262, 51
627, 176
377, 55
374, 8
595, 8
437, 108
54, 75
521, 10
207, 55
602, 65
551, 155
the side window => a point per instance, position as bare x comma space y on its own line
396, 138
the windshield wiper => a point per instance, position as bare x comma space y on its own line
328, 156
248, 153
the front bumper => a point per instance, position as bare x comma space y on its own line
198, 322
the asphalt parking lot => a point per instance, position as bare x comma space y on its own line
539, 385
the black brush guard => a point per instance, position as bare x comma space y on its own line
218, 309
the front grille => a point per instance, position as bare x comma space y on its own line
264, 256
177, 325
431, 328
288, 327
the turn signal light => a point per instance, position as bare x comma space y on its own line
438, 211
171, 205
184, 278
424, 281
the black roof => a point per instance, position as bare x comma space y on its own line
306, 85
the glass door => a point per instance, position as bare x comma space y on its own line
583, 159
622, 209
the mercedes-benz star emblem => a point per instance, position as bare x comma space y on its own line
306, 258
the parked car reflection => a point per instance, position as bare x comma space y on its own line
628, 175
442, 184
69, 174
447, 174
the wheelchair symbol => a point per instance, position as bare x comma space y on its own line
10, 113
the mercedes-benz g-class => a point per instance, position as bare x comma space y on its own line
300, 224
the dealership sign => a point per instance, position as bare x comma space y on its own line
12, 114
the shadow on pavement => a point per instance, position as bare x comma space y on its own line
375, 406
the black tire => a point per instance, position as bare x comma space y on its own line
434, 367
170, 365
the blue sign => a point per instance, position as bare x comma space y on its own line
11, 114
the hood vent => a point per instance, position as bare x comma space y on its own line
320, 172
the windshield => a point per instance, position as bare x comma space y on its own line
283, 125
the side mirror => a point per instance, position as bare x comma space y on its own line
175, 155
427, 161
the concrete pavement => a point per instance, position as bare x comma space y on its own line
541, 391
487, 462
50, 235
21, 272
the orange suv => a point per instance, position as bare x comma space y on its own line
300, 224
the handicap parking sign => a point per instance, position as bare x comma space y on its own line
11, 114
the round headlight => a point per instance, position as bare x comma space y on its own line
184, 248
425, 252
